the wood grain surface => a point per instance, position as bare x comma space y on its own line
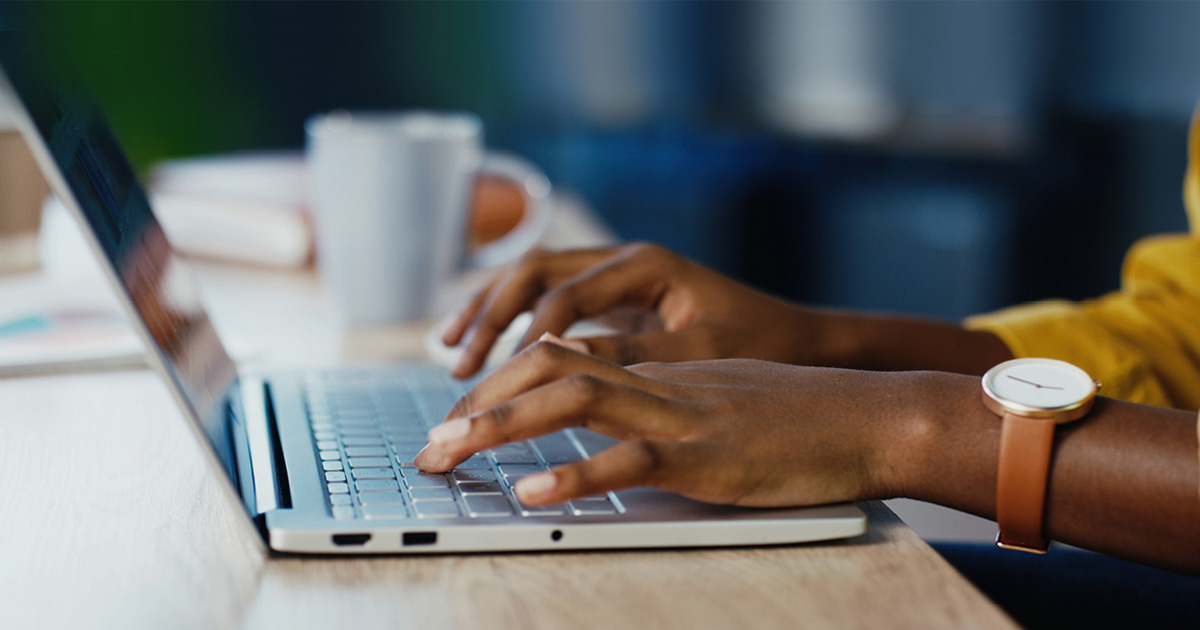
109, 518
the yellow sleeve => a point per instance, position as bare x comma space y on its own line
1141, 342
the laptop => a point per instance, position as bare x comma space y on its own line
321, 461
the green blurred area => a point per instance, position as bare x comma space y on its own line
187, 78
159, 71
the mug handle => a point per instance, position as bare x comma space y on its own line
535, 188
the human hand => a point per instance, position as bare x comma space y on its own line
695, 313
740, 432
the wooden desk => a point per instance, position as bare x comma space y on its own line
108, 518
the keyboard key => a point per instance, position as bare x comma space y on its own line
554, 442
475, 463
338, 488
327, 445
426, 480
542, 510
357, 423
376, 485
581, 507
335, 476
480, 487
381, 498
366, 431
325, 435
473, 475
515, 458
331, 465
330, 455
405, 458
340, 499
370, 462
487, 505
343, 512
520, 448
366, 451
432, 494
380, 512
511, 470
373, 473
558, 459
435, 509
362, 441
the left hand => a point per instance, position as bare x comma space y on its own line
741, 432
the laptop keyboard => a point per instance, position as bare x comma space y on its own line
368, 426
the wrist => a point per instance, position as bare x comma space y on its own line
943, 447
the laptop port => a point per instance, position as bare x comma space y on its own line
351, 540
419, 538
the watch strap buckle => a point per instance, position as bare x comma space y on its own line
1041, 550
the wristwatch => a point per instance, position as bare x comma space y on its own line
1032, 396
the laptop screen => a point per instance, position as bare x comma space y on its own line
104, 188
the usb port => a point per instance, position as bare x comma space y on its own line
419, 538
351, 540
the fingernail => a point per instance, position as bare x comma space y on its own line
420, 458
570, 344
535, 487
449, 431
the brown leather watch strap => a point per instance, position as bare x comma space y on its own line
1024, 469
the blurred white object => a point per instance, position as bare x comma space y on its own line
824, 68
391, 195
255, 232
249, 207
506, 344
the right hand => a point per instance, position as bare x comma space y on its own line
740, 432
697, 313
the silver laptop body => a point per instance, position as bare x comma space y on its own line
321, 460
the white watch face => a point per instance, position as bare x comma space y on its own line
1044, 384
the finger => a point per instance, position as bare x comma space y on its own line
625, 280
512, 294
579, 400
537, 365
515, 293
457, 328
628, 464
689, 344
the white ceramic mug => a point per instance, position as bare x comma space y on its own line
391, 199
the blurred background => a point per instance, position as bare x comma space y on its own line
937, 158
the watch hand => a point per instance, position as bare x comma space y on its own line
1039, 386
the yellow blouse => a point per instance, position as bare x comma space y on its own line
1142, 341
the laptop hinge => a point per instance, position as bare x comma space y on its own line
271, 490
283, 488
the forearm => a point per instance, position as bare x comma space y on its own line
883, 342
1123, 481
